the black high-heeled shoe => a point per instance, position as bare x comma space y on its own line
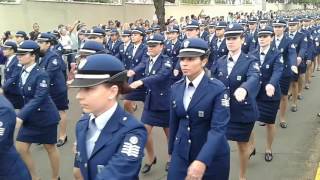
147, 167
253, 153
268, 156
61, 142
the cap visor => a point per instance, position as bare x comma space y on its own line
190, 54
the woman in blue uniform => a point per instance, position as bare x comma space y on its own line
240, 74
11, 167
268, 98
39, 116
12, 75
157, 69
199, 111
110, 142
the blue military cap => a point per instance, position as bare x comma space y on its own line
155, 39
28, 46
234, 29
221, 25
193, 25
212, 25
243, 22
193, 47
10, 45
174, 28
306, 18
82, 32
97, 32
156, 27
126, 33
293, 21
252, 20
138, 30
264, 20
91, 47
97, 69
114, 32
268, 30
279, 22
148, 31
45, 37
21, 34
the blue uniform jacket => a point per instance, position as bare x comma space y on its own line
156, 82
11, 167
248, 45
123, 55
198, 133
12, 75
310, 47
300, 42
118, 152
115, 49
217, 52
245, 74
205, 35
39, 109
270, 73
288, 55
53, 65
173, 52
136, 59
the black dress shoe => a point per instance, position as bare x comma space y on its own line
283, 125
268, 156
167, 166
294, 109
253, 153
147, 167
61, 142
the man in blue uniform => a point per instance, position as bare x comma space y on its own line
110, 142
12, 75
192, 29
114, 42
252, 31
124, 47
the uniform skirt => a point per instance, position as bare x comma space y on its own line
268, 111
156, 118
302, 68
42, 135
284, 85
61, 101
240, 132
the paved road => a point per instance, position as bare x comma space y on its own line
296, 149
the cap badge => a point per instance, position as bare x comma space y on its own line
82, 63
231, 26
186, 44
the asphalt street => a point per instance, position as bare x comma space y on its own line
296, 149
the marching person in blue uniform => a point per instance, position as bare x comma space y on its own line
53, 65
114, 42
268, 98
97, 34
219, 47
300, 42
172, 50
12, 75
203, 34
12, 167
136, 53
253, 31
157, 69
240, 74
247, 45
199, 114
110, 142
39, 116
124, 48
284, 44
192, 29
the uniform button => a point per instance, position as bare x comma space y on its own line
260, 82
187, 116
39, 109
176, 138
161, 94
188, 128
189, 141
246, 102
228, 87
85, 165
260, 74
227, 77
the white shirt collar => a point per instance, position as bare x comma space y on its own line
235, 57
29, 69
103, 118
10, 59
196, 81
294, 33
221, 39
154, 59
265, 51
279, 38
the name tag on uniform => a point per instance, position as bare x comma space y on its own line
29, 88
100, 168
174, 104
267, 66
281, 50
239, 78
200, 114
2, 130
153, 72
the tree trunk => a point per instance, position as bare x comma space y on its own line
160, 12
